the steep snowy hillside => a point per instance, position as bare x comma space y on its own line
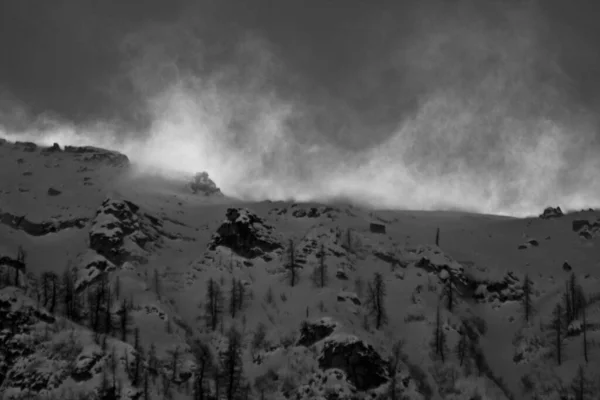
116, 284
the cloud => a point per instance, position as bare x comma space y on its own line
492, 129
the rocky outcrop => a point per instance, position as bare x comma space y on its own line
301, 211
551, 212
202, 184
246, 234
364, 367
29, 147
121, 232
98, 155
586, 229
315, 331
40, 228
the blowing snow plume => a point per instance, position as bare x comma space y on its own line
492, 126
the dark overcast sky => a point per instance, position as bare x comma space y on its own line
59, 56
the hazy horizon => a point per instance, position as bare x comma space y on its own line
490, 107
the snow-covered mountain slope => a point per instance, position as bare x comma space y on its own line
122, 284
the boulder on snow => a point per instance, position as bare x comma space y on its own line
551, 212
201, 183
365, 368
246, 234
53, 192
348, 296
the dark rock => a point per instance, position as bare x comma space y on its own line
341, 274
201, 183
551, 212
566, 267
245, 233
377, 228
26, 146
350, 296
533, 242
364, 367
53, 192
313, 332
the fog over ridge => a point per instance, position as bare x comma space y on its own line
493, 128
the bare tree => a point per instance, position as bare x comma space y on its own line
557, 326
392, 392
124, 319
233, 298
320, 276
291, 263
581, 385
157, 288
462, 345
376, 292
232, 364
204, 362
526, 302
214, 303
21, 263
449, 291
584, 302
439, 336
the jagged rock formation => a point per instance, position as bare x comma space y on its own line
364, 367
121, 232
246, 234
201, 183
551, 212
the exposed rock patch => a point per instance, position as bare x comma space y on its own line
313, 332
42, 228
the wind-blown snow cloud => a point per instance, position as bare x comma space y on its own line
493, 129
